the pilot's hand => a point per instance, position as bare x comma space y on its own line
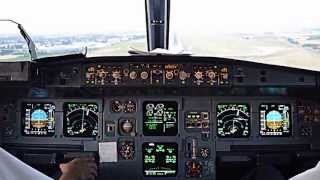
79, 169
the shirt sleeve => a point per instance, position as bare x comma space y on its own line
311, 174
11, 168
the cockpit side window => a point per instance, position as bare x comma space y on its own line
13, 47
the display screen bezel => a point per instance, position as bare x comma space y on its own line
23, 117
290, 120
64, 120
147, 132
249, 120
172, 144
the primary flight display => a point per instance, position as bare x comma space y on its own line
275, 119
38, 119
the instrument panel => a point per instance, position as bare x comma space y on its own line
159, 118
172, 119
169, 137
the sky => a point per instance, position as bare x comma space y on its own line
85, 16
245, 15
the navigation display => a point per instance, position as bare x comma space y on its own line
160, 159
38, 119
275, 120
160, 118
233, 120
80, 119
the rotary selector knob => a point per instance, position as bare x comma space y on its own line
116, 106
204, 152
198, 75
183, 75
211, 74
144, 75
169, 75
130, 107
116, 74
127, 150
133, 75
127, 127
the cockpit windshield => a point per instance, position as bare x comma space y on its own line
277, 32
104, 28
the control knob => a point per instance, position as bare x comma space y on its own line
130, 107
144, 75
127, 127
198, 75
116, 74
116, 106
211, 74
194, 169
133, 75
169, 75
127, 150
204, 152
183, 75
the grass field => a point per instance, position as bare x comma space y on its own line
264, 49
268, 48
119, 49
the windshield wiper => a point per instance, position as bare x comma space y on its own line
27, 38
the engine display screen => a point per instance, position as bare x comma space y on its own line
38, 119
160, 159
275, 120
80, 119
160, 118
233, 120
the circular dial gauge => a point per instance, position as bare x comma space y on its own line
126, 150
233, 120
80, 119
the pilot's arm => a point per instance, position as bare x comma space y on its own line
79, 169
14, 169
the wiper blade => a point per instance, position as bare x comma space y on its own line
27, 38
